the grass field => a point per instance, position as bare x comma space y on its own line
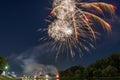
7, 78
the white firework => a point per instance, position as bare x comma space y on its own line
72, 27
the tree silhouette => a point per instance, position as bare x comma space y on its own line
3, 65
107, 67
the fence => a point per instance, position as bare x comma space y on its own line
39, 78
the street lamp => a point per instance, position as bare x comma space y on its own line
6, 67
47, 77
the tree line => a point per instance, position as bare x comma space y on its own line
107, 67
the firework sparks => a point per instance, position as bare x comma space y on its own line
73, 23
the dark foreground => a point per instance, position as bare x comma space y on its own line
65, 78
100, 78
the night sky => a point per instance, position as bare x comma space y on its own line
19, 38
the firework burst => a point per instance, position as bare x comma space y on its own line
72, 27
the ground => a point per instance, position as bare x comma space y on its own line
7, 78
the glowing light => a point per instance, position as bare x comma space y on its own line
46, 76
57, 76
68, 31
6, 67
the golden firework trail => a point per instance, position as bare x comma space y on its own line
72, 28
